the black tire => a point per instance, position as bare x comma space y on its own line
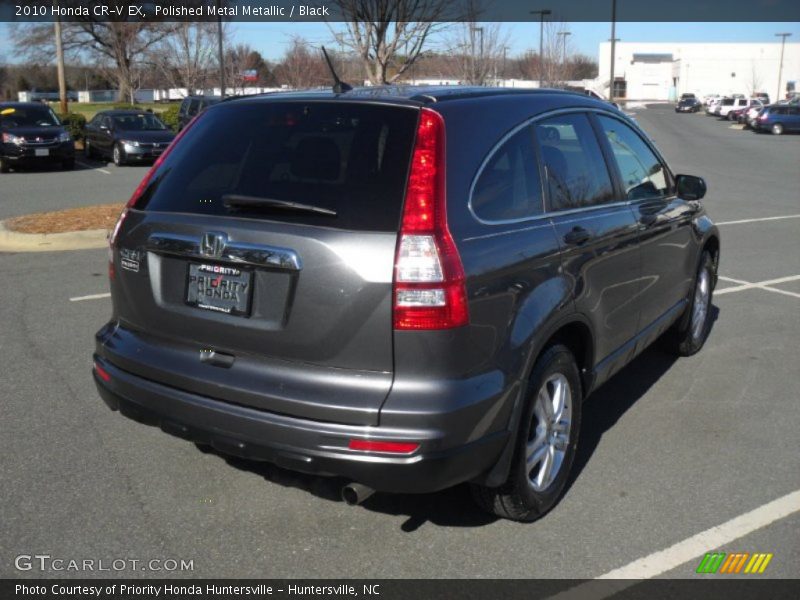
686, 337
118, 155
68, 165
4, 166
517, 499
777, 129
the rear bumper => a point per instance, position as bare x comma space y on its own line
308, 446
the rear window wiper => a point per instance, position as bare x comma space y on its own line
242, 201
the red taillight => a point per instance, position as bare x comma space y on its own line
383, 446
102, 373
429, 289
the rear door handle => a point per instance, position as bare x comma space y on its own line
577, 236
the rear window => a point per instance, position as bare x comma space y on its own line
348, 158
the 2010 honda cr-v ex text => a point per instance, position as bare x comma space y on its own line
408, 288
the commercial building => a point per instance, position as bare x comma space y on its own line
663, 71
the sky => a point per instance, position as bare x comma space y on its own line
271, 39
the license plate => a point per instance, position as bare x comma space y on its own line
41, 152
219, 288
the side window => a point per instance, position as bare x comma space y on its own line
577, 175
194, 104
184, 106
509, 186
643, 175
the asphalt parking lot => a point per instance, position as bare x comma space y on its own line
669, 449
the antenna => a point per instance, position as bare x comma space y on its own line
339, 86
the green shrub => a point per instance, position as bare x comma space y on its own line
75, 124
170, 116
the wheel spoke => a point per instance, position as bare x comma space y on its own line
546, 402
535, 454
547, 467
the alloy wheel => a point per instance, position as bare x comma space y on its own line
549, 436
702, 297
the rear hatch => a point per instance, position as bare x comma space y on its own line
256, 265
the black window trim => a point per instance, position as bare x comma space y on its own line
548, 214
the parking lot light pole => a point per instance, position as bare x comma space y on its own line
563, 35
783, 37
613, 48
480, 55
542, 14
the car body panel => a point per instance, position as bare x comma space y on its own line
318, 356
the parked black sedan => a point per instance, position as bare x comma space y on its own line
126, 136
33, 134
688, 105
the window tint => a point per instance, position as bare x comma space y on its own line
194, 104
350, 158
643, 175
576, 172
509, 186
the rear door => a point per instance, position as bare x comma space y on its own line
298, 300
597, 232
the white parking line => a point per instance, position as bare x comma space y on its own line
757, 220
665, 560
90, 297
761, 285
88, 166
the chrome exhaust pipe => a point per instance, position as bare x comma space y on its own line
356, 493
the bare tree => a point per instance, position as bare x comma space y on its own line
379, 30
755, 82
187, 57
118, 47
478, 51
302, 66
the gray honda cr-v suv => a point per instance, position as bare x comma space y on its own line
407, 288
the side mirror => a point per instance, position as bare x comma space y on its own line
690, 187
103, 127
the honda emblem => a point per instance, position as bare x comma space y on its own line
213, 244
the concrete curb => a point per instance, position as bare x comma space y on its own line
12, 241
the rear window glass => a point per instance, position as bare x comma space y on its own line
351, 159
509, 186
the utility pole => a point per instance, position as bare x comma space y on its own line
221, 53
542, 14
613, 48
783, 37
62, 82
563, 35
